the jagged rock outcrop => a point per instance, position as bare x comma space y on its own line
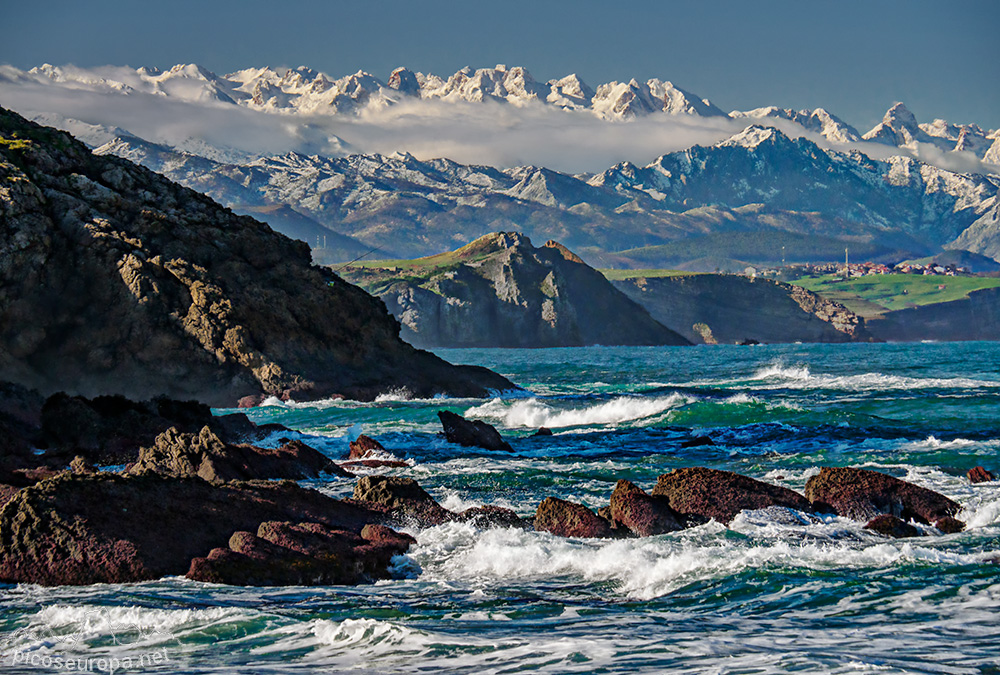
698, 493
471, 433
401, 497
891, 526
105, 528
207, 456
113, 280
862, 494
976, 317
732, 309
978, 474
501, 291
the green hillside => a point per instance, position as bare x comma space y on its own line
877, 294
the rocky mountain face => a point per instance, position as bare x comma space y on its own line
113, 280
712, 308
759, 181
501, 291
899, 127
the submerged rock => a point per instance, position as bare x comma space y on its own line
474, 433
567, 519
367, 452
643, 515
699, 493
491, 516
205, 455
106, 528
862, 494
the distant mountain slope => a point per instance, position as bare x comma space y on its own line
113, 280
501, 291
732, 309
758, 181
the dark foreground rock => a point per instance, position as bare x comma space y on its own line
205, 455
301, 554
471, 433
492, 516
891, 526
105, 528
978, 474
698, 493
118, 281
862, 494
401, 497
643, 515
567, 519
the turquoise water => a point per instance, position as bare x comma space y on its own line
766, 595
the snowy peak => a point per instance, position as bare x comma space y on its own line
404, 81
819, 121
899, 127
752, 137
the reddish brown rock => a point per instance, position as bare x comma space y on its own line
471, 433
207, 456
643, 515
700, 494
949, 525
403, 497
862, 494
106, 528
364, 447
301, 554
376, 464
891, 526
978, 474
567, 519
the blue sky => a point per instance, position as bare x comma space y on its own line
853, 57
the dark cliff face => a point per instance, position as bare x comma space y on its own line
501, 291
113, 280
727, 309
976, 317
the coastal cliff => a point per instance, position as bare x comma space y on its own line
975, 317
114, 280
501, 291
709, 308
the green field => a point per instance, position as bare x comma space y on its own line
878, 294
618, 275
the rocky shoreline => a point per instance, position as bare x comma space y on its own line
204, 503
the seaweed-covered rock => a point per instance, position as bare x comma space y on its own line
205, 455
568, 519
106, 528
699, 493
643, 515
862, 494
471, 433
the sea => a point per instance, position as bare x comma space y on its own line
774, 592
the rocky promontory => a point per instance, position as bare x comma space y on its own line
502, 291
720, 308
114, 280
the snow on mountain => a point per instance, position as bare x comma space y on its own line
899, 127
759, 179
819, 120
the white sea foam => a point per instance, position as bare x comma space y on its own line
533, 413
652, 567
779, 375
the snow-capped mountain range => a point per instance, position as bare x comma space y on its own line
759, 180
790, 177
305, 91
